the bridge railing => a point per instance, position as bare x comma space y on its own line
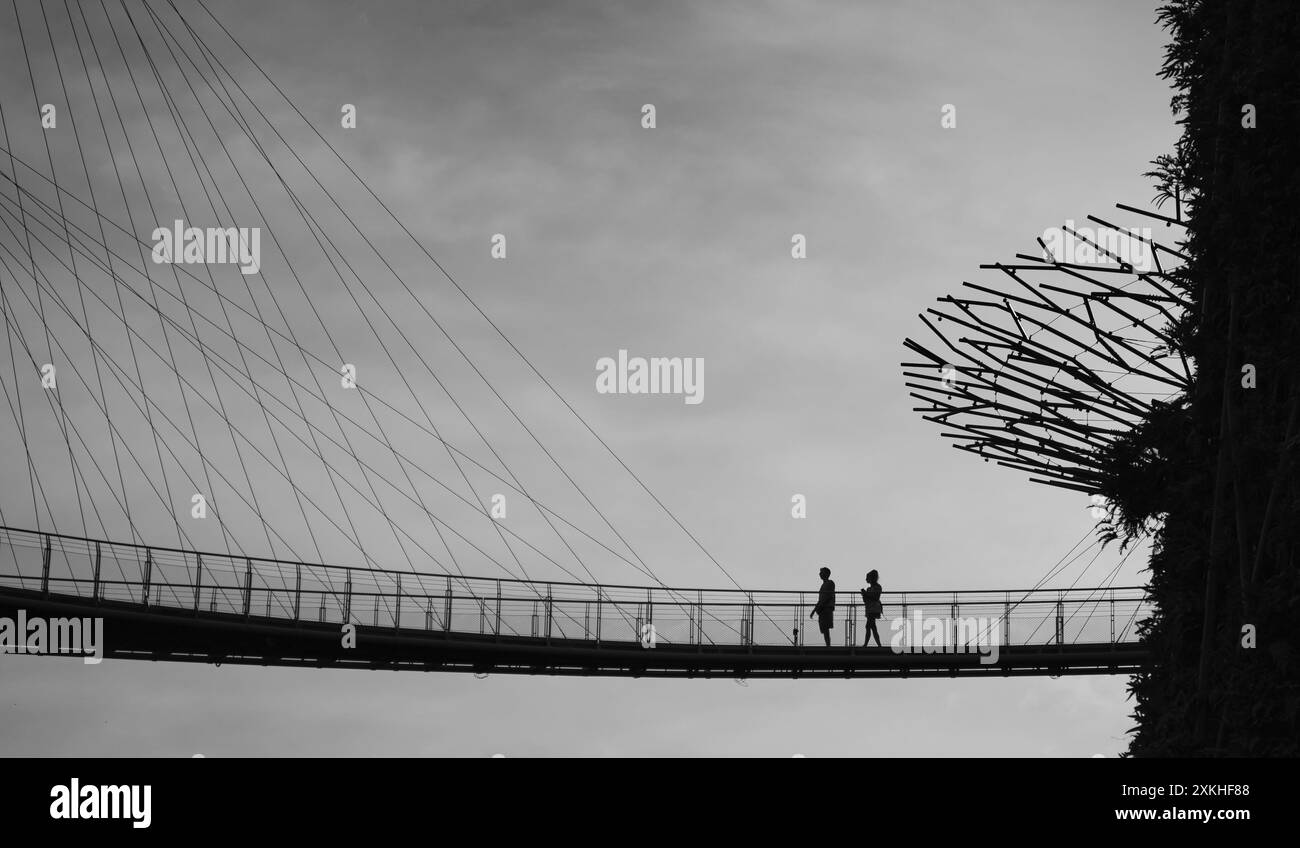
265, 588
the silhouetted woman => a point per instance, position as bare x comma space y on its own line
872, 607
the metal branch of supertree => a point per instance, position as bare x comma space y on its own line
1064, 354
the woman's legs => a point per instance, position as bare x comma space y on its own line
871, 630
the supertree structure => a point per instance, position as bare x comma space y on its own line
1066, 352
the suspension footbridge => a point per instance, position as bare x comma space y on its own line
202, 432
168, 604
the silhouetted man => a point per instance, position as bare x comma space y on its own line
825, 609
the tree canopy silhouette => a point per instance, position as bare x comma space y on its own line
1212, 473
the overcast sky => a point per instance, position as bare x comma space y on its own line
524, 118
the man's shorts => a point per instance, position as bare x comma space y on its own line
825, 621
